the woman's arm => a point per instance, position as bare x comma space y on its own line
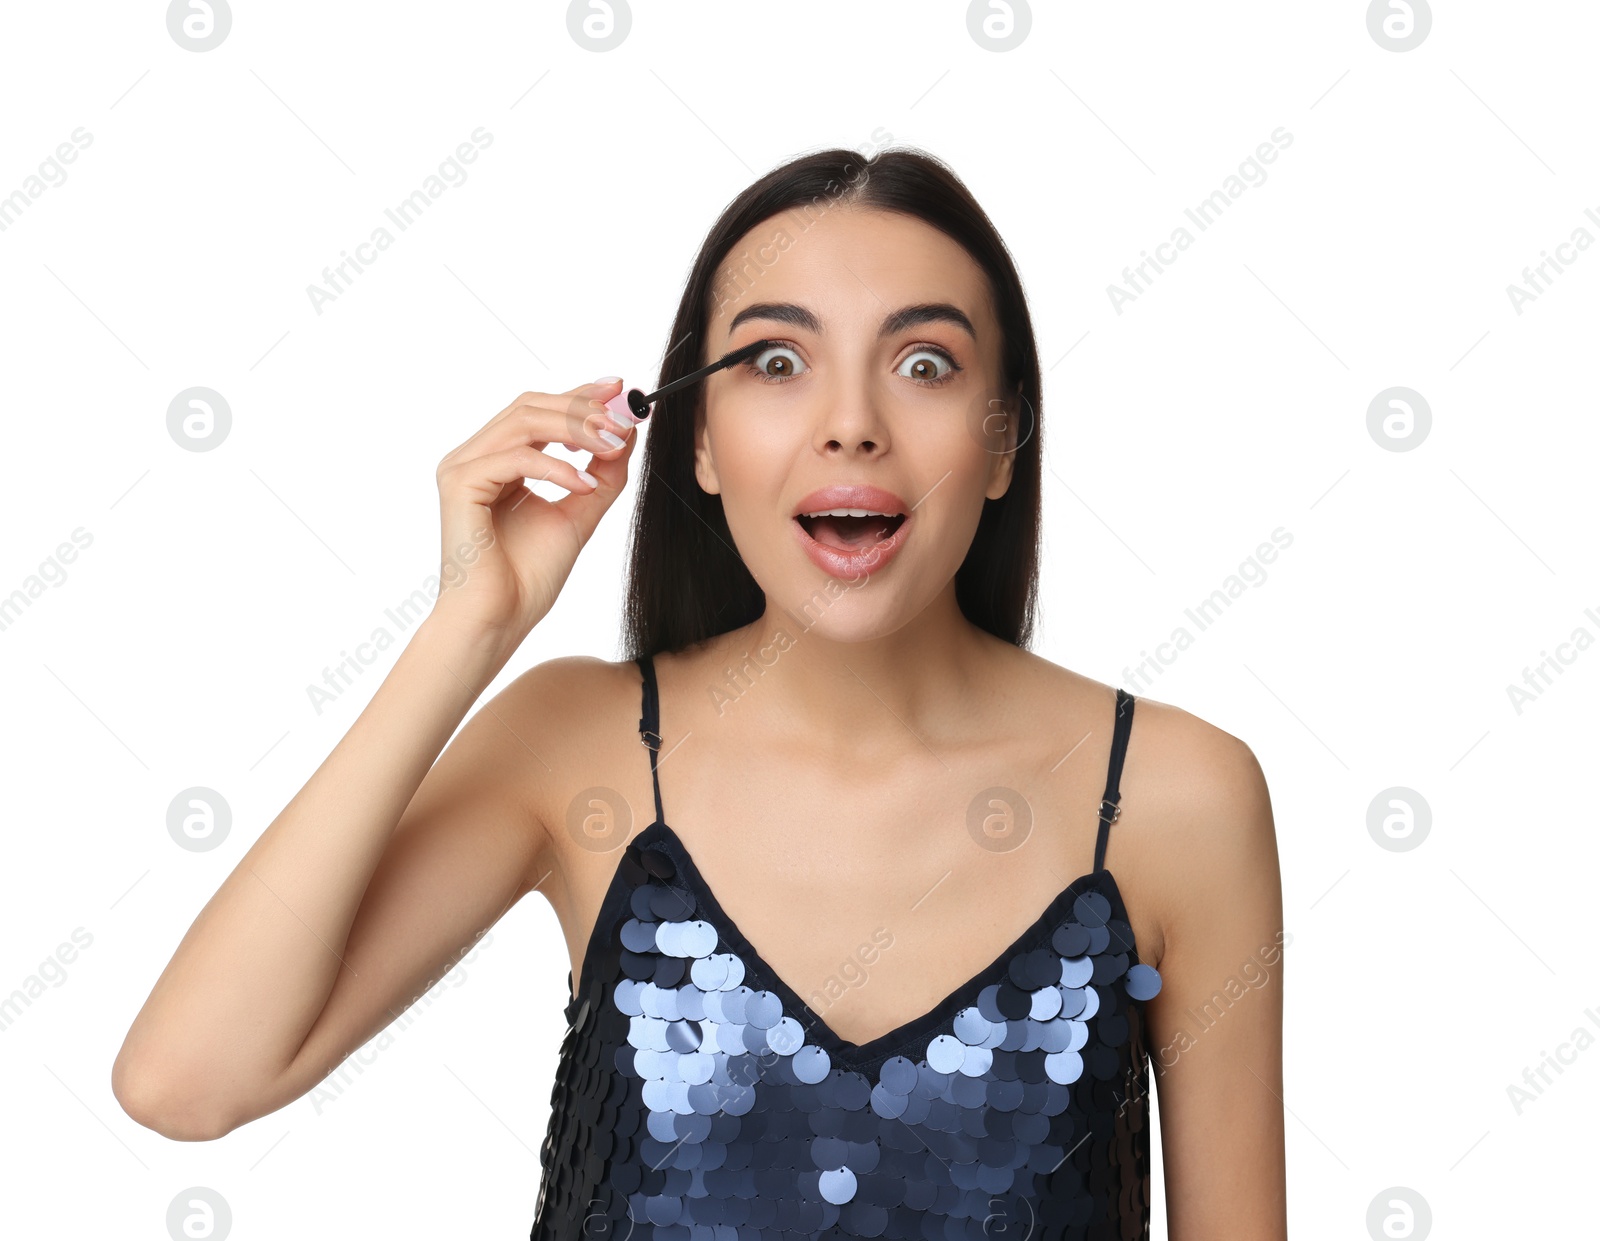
1216, 1026
383, 869
387, 865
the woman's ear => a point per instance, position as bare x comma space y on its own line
1000, 474
705, 465
1008, 428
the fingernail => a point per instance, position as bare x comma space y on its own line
606, 381
588, 478
610, 439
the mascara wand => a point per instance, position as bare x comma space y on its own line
636, 405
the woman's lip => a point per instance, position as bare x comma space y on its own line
855, 564
851, 495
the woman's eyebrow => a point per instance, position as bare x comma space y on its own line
897, 321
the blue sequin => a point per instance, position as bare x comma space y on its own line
1143, 982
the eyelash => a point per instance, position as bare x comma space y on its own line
955, 367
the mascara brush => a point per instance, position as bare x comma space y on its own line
635, 405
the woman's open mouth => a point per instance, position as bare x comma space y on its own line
849, 530
851, 543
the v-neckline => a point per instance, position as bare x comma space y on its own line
913, 1030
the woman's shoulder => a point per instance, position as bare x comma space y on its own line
1198, 787
588, 702
1201, 782
1197, 824
570, 726
1187, 744
1195, 832
572, 697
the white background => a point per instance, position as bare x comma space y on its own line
1228, 400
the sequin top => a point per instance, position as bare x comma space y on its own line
698, 1097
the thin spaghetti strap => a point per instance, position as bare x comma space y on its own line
650, 724
1110, 811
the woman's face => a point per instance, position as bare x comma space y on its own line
886, 380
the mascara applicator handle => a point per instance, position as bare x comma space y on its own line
629, 406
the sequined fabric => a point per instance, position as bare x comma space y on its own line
697, 1098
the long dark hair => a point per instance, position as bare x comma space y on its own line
686, 581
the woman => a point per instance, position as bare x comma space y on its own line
853, 763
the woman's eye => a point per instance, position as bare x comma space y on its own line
923, 366
776, 365
928, 366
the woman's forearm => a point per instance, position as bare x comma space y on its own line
255, 969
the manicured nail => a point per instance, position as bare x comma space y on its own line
588, 478
609, 439
607, 380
